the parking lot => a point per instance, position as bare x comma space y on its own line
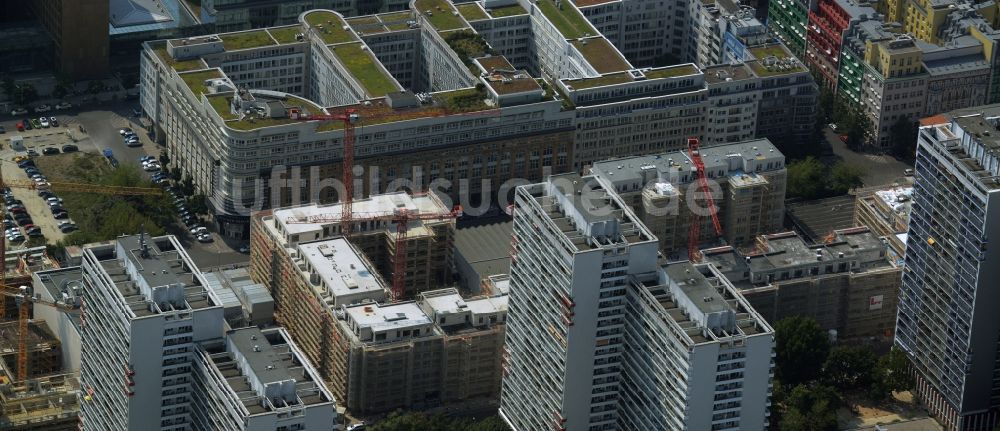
95, 130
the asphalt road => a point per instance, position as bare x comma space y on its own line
879, 169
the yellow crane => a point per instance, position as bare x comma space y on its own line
22, 295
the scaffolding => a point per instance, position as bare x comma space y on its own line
44, 349
48, 403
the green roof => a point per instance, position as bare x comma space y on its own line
244, 40
671, 71
366, 24
567, 19
220, 102
471, 11
396, 21
505, 11
609, 79
285, 34
461, 101
778, 51
601, 55
333, 27
365, 69
440, 14
196, 80
180, 66
762, 52
250, 123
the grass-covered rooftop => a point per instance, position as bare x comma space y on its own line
196, 80
285, 34
600, 81
779, 52
180, 66
245, 40
365, 68
440, 13
463, 101
601, 55
471, 11
671, 71
396, 21
329, 26
505, 11
567, 19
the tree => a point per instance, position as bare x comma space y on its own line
187, 186
903, 137
94, 87
850, 367
7, 83
416, 421
175, 174
197, 204
894, 370
164, 158
811, 408
805, 178
802, 348
24, 94
59, 91
844, 178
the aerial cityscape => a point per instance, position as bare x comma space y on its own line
499, 215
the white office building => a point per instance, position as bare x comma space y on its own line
601, 336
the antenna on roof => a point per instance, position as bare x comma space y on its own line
143, 246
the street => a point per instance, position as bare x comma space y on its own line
879, 169
102, 124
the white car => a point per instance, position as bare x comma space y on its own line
18, 111
151, 168
125, 131
64, 105
199, 231
44, 121
43, 108
205, 238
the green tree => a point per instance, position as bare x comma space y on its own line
810, 408
8, 85
903, 137
894, 371
187, 186
850, 367
802, 348
94, 87
175, 174
24, 94
59, 91
806, 178
197, 204
844, 178
417, 421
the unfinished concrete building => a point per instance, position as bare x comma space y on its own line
439, 349
886, 211
49, 403
44, 352
276, 234
848, 284
750, 175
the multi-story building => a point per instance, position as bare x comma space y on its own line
285, 237
788, 19
886, 211
723, 31
594, 315
145, 363
648, 33
751, 179
440, 349
848, 283
894, 88
828, 20
224, 104
945, 323
81, 45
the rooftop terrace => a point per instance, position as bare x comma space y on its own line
330, 26
601, 54
773, 60
566, 18
453, 102
366, 69
440, 14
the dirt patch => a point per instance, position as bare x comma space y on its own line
75, 167
859, 413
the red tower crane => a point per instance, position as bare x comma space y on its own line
24, 300
401, 217
349, 117
694, 254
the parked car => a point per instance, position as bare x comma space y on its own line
908, 172
32, 152
48, 151
134, 142
244, 249
108, 153
44, 122
70, 148
205, 238
34, 233
17, 210
24, 221
60, 215
43, 108
144, 159
64, 105
16, 238
18, 111
125, 131
35, 124
53, 121
20, 126
3, 129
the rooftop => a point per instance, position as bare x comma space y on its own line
246, 39
566, 18
506, 11
600, 81
950, 65
817, 218
369, 24
452, 102
440, 14
671, 71
472, 11
196, 80
385, 317
286, 34
485, 247
339, 268
396, 21
330, 26
601, 54
377, 204
774, 60
727, 72
178, 65
366, 69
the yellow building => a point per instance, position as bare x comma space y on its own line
893, 58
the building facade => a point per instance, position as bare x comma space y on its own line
593, 317
945, 324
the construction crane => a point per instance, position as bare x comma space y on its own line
349, 117
21, 294
402, 218
24, 300
694, 255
